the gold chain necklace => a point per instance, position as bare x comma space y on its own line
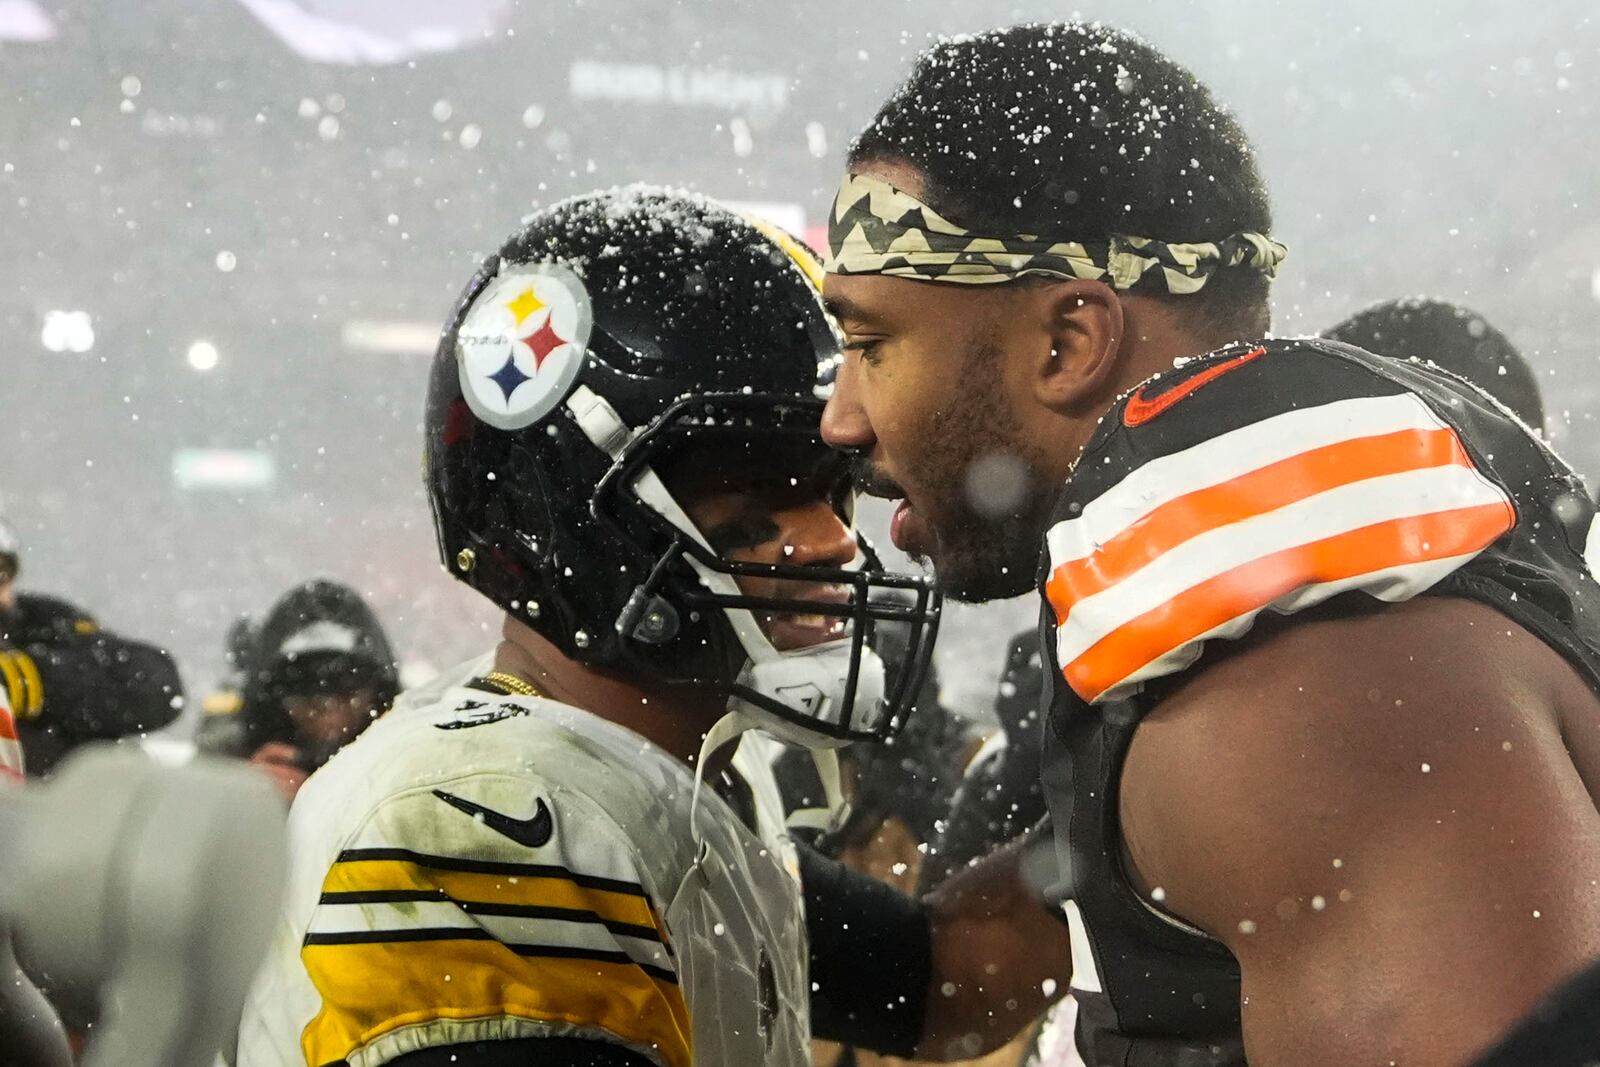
512, 684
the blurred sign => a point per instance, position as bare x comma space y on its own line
169, 124
687, 87
379, 32
223, 468
393, 338
24, 20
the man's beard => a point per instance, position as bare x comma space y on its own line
987, 556
978, 553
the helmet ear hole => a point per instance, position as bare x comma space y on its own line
648, 618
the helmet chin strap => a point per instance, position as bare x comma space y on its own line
737, 722
835, 810
767, 669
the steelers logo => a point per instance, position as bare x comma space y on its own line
522, 343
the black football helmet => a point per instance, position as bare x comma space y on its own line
319, 637
611, 331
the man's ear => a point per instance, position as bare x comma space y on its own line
1085, 324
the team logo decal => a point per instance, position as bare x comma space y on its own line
522, 343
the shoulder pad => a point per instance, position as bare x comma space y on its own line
46, 618
1269, 478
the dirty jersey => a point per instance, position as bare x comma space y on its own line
480, 866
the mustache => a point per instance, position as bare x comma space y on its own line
871, 481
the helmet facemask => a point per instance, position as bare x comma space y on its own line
792, 644
608, 330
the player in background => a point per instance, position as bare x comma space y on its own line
72, 681
1453, 337
1460, 340
532, 859
10, 748
14, 687
316, 672
1301, 601
30, 1032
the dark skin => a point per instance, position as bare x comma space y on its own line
1408, 848
780, 511
1463, 893
322, 723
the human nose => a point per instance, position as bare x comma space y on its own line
814, 536
845, 425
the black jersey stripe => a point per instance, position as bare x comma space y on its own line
510, 870
481, 907
566, 952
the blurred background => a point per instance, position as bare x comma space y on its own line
230, 230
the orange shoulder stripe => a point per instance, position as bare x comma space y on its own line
1252, 586
1255, 493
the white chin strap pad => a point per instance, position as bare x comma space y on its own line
811, 682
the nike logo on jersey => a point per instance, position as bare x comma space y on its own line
532, 832
1141, 407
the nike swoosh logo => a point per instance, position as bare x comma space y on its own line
1141, 408
532, 832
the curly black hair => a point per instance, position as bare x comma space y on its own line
1078, 131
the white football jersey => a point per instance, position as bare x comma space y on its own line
478, 867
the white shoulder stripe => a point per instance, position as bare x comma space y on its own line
1228, 456
1213, 553
366, 921
10, 758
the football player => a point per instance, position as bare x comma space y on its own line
72, 682
12, 687
1000, 796
531, 859
315, 673
1324, 741
1454, 337
30, 1031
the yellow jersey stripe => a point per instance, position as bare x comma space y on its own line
458, 933
369, 990
559, 891
34, 684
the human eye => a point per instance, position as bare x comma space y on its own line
865, 347
741, 534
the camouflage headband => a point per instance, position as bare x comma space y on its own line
875, 228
